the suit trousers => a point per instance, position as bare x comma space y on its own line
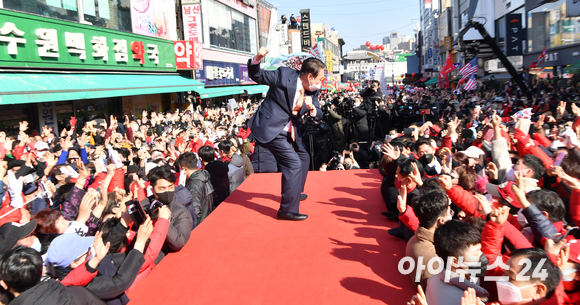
293, 161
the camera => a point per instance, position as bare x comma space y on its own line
136, 211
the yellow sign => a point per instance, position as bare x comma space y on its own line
329, 61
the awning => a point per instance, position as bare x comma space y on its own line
573, 68
221, 91
21, 88
255, 89
498, 76
432, 81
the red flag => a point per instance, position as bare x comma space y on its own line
447, 66
540, 59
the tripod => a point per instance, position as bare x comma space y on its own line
372, 124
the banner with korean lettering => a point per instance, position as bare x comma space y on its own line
188, 55
38, 42
47, 116
154, 18
305, 30
329, 61
191, 22
217, 73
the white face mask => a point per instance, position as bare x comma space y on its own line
314, 87
566, 274
510, 174
509, 293
36, 245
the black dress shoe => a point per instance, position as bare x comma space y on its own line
303, 197
291, 216
397, 232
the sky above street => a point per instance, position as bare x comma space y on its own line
357, 21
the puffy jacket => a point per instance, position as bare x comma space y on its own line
200, 187
55, 293
218, 172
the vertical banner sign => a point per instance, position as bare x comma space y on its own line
329, 61
47, 116
514, 35
191, 22
296, 44
188, 55
305, 30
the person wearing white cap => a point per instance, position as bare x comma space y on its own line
473, 154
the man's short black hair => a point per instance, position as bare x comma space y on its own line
160, 173
535, 164
124, 152
548, 201
429, 206
422, 142
188, 160
454, 238
206, 153
312, 66
226, 146
537, 257
21, 268
406, 166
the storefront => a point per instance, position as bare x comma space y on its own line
554, 26
54, 69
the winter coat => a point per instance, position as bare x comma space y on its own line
55, 293
218, 172
200, 187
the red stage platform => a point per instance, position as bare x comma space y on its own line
341, 254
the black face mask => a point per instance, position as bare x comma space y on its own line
347, 166
165, 197
483, 268
426, 159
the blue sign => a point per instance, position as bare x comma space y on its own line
217, 73
429, 53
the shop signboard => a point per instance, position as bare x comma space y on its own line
514, 35
329, 61
217, 73
188, 55
37, 42
191, 22
305, 30
154, 18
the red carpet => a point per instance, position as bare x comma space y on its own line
341, 254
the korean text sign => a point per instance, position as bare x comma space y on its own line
33, 41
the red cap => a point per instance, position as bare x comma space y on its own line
504, 191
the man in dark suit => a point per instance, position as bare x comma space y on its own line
276, 124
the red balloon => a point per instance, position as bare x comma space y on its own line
461, 81
399, 82
382, 48
356, 84
413, 74
372, 48
368, 43
402, 75
348, 81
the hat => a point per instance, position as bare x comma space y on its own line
66, 248
504, 191
41, 146
14, 163
12, 232
157, 155
29, 188
473, 152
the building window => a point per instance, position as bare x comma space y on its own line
110, 14
549, 27
231, 29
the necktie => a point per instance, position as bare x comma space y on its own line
295, 112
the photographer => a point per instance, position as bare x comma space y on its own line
163, 186
333, 117
371, 91
360, 155
359, 118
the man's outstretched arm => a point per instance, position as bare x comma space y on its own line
260, 76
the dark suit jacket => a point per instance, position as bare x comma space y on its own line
276, 109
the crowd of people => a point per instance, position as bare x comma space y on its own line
479, 185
